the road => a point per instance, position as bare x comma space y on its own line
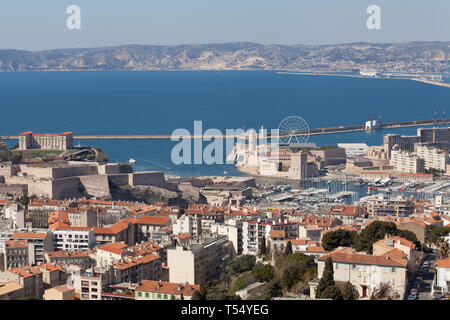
424, 291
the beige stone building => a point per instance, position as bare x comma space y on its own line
367, 272
11, 290
159, 290
16, 254
62, 292
46, 141
433, 157
406, 161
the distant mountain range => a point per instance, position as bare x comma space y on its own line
430, 57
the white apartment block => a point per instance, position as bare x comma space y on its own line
443, 275
254, 230
232, 229
433, 157
405, 161
203, 260
73, 238
188, 224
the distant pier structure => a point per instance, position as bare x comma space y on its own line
373, 124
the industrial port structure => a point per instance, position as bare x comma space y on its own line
317, 131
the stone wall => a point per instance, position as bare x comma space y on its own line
152, 178
96, 186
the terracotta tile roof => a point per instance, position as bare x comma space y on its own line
16, 244
28, 235
167, 287
443, 263
349, 255
184, 236
63, 288
25, 271
128, 263
153, 220
317, 249
277, 234
68, 254
115, 247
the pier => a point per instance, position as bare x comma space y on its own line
317, 131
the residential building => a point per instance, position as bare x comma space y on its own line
62, 292
159, 290
367, 272
11, 290
38, 243
443, 276
27, 276
203, 259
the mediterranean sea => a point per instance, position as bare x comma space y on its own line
158, 102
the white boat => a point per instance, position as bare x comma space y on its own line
367, 73
131, 160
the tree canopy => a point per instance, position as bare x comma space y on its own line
339, 238
327, 278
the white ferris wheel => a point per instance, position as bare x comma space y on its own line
293, 129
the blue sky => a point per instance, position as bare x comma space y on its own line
41, 24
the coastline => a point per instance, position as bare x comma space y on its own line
441, 84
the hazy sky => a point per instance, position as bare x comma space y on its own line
41, 24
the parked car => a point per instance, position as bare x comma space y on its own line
414, 291
411, 297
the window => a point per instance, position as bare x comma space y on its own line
393, 270
364, 268
336, 265
353, 266
139, 294
345, 266
384, 269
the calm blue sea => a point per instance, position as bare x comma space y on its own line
160, 102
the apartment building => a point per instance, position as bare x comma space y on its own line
190, 224
159, 290
443, 276
28, 277
73, 238
11, 290
433, 157
38, 243
233, 230
255, 230
367, 272
203, 259
62, 292
406, 161
66, 258
399, 206
16, 254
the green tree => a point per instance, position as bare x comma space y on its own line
273, 289
331, 292
372, 233
288, 249
350, 293
327, 279
263, 250
264, 273
242, 264
24, 200
339, 238
443, 248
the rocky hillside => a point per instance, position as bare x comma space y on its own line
407, 57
